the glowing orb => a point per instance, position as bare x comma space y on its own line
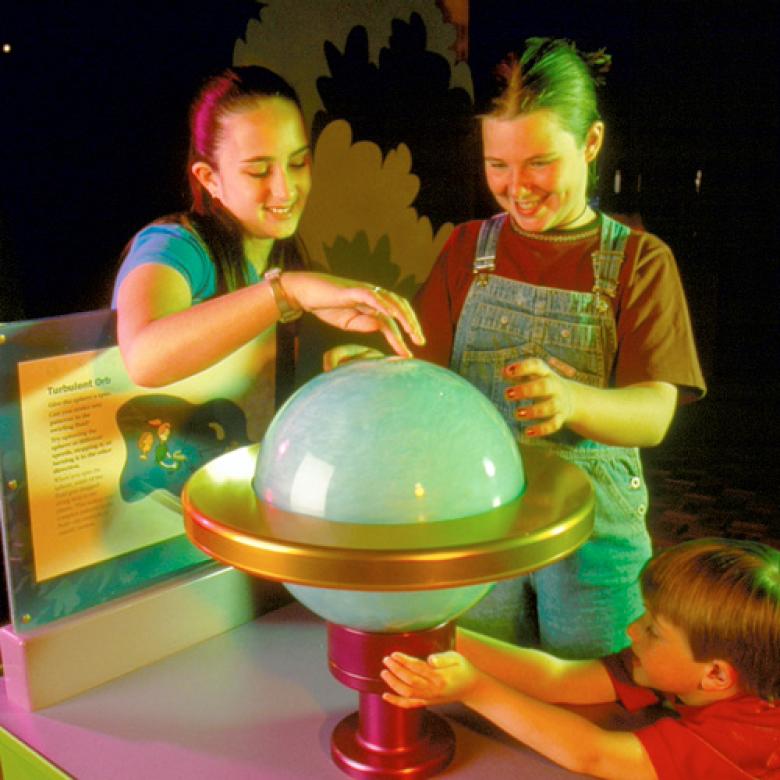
386, 442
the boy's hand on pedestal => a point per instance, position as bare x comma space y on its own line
444, 677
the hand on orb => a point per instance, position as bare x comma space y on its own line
356, 306
346, 353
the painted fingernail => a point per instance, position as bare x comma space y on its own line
510, 394
522, 413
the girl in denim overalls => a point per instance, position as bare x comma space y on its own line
549, 354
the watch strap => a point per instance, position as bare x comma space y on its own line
287, 312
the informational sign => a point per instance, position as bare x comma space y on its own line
102, 447
69, 407
93, 465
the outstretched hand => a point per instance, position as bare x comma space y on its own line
444, 677
356, 306
549, 389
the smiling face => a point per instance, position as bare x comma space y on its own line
262, 168
663, 658
537, 171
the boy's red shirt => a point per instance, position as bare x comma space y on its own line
732, 739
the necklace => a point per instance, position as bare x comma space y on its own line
576, 219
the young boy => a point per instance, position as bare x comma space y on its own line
709, 641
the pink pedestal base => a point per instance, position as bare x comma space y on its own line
380, 741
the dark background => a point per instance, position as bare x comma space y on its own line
93, 102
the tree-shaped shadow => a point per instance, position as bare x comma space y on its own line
346, 257
406, 99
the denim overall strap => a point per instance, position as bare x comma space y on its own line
607, 261
485, 256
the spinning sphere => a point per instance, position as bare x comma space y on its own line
388, 442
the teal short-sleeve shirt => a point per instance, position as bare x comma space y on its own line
178, 248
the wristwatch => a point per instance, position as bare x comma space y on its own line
288, 313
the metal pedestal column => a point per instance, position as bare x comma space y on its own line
381, 741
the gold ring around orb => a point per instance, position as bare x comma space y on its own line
227, 520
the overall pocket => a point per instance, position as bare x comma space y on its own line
620, 543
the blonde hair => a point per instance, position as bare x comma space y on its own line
725, 595
552, 74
